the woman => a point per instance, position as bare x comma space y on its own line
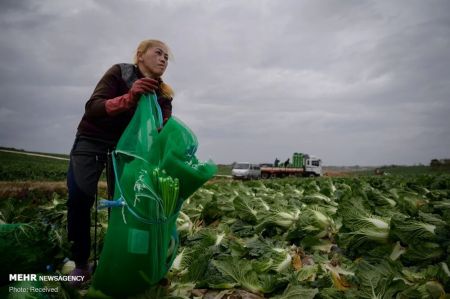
107, 114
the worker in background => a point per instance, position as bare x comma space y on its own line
107, 114
286, 163
275, 164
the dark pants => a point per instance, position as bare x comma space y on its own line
87, 162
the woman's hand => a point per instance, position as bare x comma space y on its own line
140, 87
129, 100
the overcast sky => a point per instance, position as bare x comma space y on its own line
353, 82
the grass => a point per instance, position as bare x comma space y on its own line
19, 167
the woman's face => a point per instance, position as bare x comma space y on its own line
153, 62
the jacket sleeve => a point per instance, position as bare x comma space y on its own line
107, 88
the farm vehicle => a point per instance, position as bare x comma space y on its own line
303, 165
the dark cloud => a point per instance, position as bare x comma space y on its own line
9, 7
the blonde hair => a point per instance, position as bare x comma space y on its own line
143, 46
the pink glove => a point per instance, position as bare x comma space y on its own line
125, 102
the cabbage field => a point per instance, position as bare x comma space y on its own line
373, 237
341, 237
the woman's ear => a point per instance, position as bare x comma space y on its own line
139, 56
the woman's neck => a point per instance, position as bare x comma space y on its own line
146, 73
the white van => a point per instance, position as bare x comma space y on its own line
245, 170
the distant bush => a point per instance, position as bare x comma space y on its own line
440, 164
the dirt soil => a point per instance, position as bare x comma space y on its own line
330, 173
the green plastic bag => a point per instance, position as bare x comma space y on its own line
155, 172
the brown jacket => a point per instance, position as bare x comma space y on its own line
96, 123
